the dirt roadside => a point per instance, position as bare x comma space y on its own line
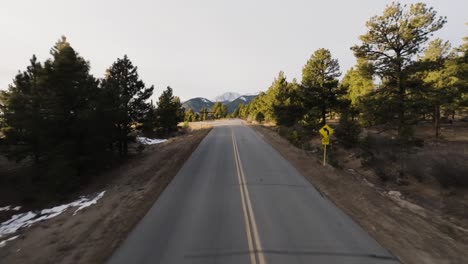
412, 233
93, 233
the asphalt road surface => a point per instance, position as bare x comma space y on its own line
237, 200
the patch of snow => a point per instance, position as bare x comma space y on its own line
23, 220
3, 243
395, 193
85, 204
205, 100
243, 98
149, 141
226, 97
254, 93
10, 208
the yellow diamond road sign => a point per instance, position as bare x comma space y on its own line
326, 131
325, 141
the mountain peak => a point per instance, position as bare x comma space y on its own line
226, 97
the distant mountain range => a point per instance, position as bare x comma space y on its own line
196, 104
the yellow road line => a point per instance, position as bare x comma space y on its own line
246, 220
249, 217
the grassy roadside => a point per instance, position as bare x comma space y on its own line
411, 232
93, 234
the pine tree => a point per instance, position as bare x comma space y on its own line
235, 114
439, 77
70, 114
23, 122
287, 107
190, 116
460, 62
219, 110
203, 114
391, 43
358, 81
320, 84
127, 99
169, 112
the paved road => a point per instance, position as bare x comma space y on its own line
237, 200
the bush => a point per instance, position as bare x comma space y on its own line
259, 117
348, 133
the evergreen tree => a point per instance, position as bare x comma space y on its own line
190, 116
439, 78
148, 124
23, 123
358, 81
460, 62
391, 43
203, 114
287, 107
50, 114
126, 99
219, 110
257, 105
169, 112
320, 84
69, 109
237, 111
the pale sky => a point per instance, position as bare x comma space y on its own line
199, 48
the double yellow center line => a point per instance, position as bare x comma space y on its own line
253, 239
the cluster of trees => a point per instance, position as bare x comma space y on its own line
217, 111
70, 123
401, 78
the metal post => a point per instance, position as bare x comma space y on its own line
324, 155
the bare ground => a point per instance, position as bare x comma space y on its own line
412, 231
93, 233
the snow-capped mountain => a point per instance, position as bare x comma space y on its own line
226, 97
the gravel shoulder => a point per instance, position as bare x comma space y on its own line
413, 233
92, 234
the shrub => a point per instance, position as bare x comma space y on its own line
348, 132
259, 117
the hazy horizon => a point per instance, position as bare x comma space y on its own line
199, 49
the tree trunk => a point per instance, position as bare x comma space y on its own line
437, 120
324, 114
401, 97
120, 141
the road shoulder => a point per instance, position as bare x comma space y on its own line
92, 234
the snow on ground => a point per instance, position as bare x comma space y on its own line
10, 208
3, 243
87, 203
149, 141
205, 100
27, 219
243, 98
